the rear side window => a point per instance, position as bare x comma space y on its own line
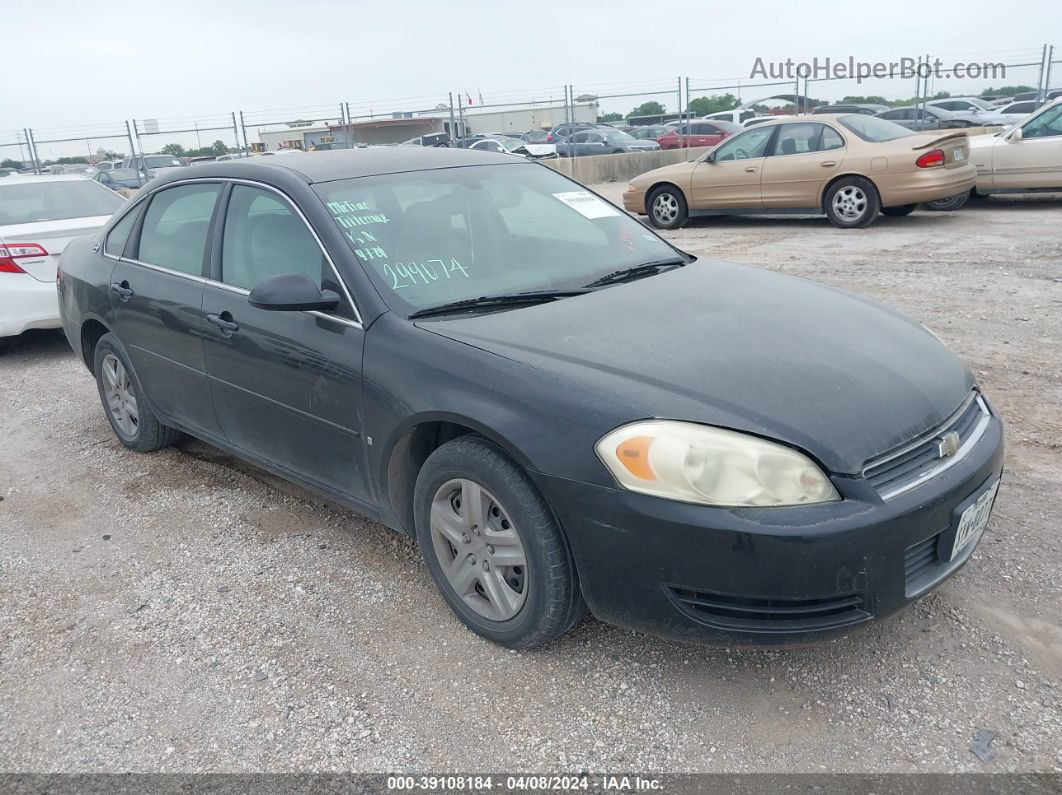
175, 227
119, 234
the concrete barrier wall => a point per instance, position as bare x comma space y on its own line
620, 168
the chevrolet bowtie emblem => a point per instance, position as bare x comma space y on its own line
948, 444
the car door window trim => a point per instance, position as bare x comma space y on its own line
313, 232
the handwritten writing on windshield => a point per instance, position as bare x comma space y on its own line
411, 274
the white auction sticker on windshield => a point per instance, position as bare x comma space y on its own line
586, 204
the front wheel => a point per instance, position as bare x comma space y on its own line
851, 203
950, 203
127, 410
903, 209
667, 207
492, 546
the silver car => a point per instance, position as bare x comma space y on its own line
919, 119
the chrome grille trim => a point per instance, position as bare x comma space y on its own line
944, 464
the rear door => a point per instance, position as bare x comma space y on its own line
157, 300
286, 384
803, 156
902, 116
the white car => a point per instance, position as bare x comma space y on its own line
1009, 113
974, 105
738, 116
1026, 157
39, 215
761, 119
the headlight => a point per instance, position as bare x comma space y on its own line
697, 463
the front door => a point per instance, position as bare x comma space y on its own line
803, 156
156, 301
731, 180
1036, 160
286, 385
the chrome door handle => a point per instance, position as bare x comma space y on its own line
224, 322
123, 291
828, 163
751, 169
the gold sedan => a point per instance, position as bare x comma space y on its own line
851, 167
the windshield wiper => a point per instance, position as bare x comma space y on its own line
637, 271
505, 299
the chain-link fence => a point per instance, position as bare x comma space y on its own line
438, 118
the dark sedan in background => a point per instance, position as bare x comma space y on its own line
603, 141
563, 408
121, 179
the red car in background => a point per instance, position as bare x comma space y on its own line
697, 133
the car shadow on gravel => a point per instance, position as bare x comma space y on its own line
36, 342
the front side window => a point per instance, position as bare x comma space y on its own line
431, 237
749, 145
1047, 125
175, 227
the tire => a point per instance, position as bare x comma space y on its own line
513, 605
851, 203
951, 203
118, 386
903, 209
667, 208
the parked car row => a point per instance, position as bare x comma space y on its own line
851, 167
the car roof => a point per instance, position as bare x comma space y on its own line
346, 163
15, 179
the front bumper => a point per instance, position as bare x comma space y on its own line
766, 575
634, 201
26, 303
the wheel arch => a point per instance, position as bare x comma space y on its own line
836, 178
92, 330
410, 447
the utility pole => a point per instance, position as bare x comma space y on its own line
453, 129
1047, 76
243, 126
129, 134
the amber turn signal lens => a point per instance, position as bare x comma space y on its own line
633, 453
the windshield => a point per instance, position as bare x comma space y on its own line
162, 161
125, 173
873, 129
432, 237
56, 200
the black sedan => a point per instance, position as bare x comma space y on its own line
565, 410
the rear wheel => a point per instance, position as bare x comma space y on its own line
903, 209
123, 400
492, 546
667, 207
950, 203
851, 203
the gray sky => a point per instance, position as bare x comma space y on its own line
101, 62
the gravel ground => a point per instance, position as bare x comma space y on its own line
183, 611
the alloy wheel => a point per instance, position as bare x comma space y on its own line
121, 400
849, 203
665, 208
479, 549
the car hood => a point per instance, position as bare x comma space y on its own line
835, 374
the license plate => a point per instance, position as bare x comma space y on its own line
974, 520
960, 154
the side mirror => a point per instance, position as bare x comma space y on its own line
710, 157
1016, 136
292, 292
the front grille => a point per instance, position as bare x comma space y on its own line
918, 461
749, 614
